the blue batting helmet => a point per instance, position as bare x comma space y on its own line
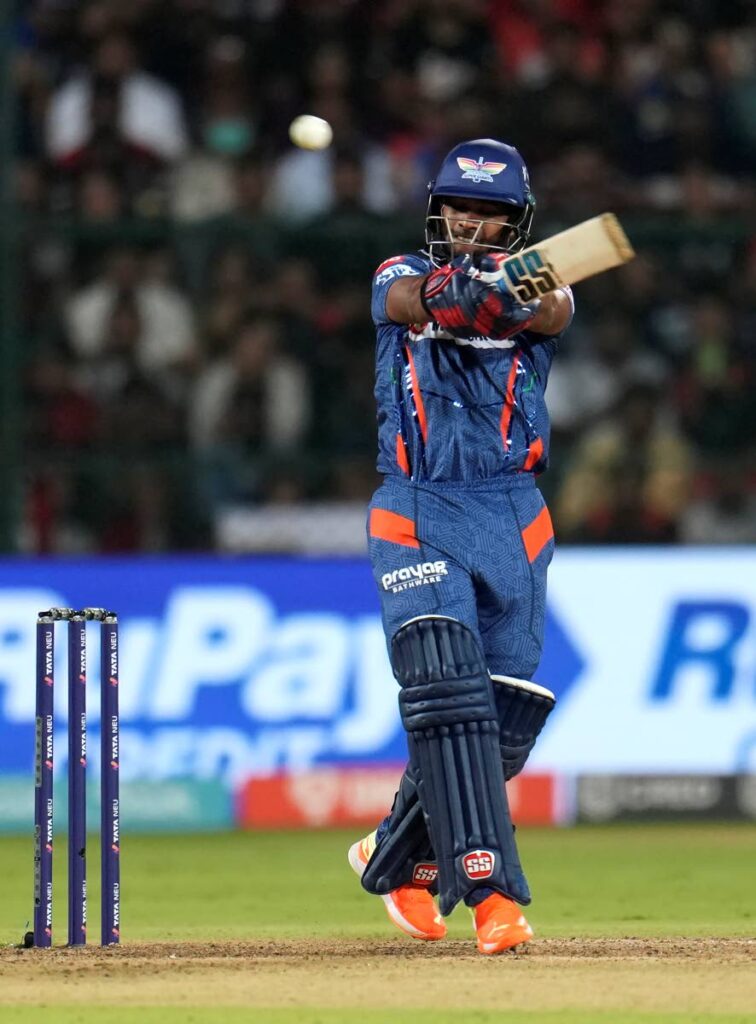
483, 169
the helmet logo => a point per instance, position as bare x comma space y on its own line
480, 169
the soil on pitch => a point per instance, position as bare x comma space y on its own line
721, 950
694, 975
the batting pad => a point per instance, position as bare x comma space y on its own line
404, 856
448, 709
522, 709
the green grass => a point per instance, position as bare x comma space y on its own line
653, 880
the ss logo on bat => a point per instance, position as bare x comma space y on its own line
529, 276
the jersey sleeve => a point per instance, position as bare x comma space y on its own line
411, 265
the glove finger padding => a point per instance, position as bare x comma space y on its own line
457, 299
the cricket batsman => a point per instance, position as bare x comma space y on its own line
460, 542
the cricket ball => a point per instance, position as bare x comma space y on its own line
310, 132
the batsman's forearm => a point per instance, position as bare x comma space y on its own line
403, 302
553, 314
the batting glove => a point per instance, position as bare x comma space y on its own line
467, 307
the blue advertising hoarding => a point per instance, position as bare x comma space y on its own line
238, 667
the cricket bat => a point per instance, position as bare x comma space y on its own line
589, 248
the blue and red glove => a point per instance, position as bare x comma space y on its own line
468, 308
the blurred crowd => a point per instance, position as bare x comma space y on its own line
193, 291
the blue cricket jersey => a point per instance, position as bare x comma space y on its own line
456, 411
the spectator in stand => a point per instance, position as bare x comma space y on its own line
303, 323
341, 238
166, 343
112, 116
630, 476
55, 519
251, 404
203, 184
418, 133
250, 175
655, 303
236, 285
99, 198
733, 73
522, 30
182, 107
137, 511
724, 512
303, 182
587, 386
580, 183
716, 385
664, 112
63, 414
345, 426
447, 46
31, 192
137, 409
303, 186
742, 290
695, 192
568, 93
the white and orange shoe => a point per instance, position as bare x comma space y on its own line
500, 924
410, 907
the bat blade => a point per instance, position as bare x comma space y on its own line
582, 251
